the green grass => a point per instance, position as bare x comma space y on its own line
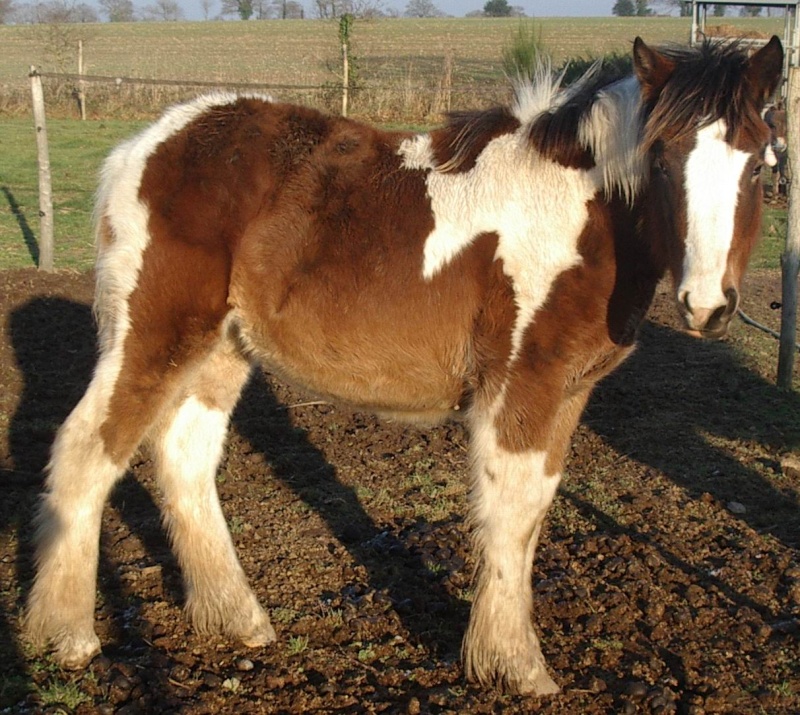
76, 151
773, 242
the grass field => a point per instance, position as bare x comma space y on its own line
405, 56
76, 151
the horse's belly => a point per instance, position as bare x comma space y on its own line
418, 376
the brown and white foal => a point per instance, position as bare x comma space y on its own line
493, 269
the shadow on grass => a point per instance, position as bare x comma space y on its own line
22, 221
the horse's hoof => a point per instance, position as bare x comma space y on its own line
75, 653
259, 637
543, 684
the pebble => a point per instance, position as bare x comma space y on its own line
180, 673
244, 664
231, 684
636, 690
597, 685
101, 664
414, 707
120, 689
211, 680
735, 507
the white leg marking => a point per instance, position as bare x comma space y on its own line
510, 497
218, 598
712, 175
61, 603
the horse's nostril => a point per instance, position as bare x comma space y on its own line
733, 300
683, 303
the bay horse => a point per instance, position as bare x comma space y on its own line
493, 270
776, 120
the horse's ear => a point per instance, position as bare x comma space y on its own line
651, 67
765, 70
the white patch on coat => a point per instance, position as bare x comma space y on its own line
510, 495
713, 173
537, 207
119, 207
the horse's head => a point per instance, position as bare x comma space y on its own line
707, 142
776, 121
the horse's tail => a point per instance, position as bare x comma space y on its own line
121, 235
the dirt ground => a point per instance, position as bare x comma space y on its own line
668, 577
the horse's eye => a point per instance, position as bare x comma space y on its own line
660, 166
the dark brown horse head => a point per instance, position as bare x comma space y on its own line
707, 143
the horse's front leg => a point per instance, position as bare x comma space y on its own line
511, 492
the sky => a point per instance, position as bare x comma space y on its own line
534, 8
459, 8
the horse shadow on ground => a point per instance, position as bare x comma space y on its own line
676, 402
24, 227
56, 374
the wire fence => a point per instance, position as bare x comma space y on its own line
378, 99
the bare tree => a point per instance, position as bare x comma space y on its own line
205, 6
331, 9
54, 12
243, 8
6, 11
117, 10
163, 10
286, 10
422, 8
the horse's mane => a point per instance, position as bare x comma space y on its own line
706, 85
599, 120
592, 122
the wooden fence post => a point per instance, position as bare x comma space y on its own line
345, 27
45, 186
345, 79
790, 260
81, 83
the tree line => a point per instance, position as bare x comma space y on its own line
646, 8
77, 11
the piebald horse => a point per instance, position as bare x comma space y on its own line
493, 269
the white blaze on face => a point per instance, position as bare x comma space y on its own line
712, 175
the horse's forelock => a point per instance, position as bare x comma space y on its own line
706, 85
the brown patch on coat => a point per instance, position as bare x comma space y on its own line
457, 146
562, 358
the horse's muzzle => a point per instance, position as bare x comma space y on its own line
710, 323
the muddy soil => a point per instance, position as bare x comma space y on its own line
667, 578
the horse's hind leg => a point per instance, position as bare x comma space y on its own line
150, 344
187, 447
80, 476
132, 383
